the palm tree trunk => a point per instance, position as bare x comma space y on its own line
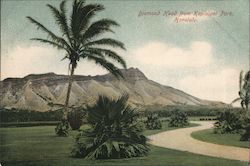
66, 107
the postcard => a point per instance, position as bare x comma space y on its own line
116, 82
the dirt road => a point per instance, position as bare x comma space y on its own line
180, 139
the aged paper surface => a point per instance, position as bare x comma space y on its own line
186, 55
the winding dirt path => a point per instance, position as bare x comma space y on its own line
181, 139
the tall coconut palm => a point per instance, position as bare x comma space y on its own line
80, 38
244, 90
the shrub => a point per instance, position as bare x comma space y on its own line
153, 122
228, 122
245, 118
62, 128
178, 119
114, 133
75, 118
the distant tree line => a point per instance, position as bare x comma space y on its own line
15, 115
195, 111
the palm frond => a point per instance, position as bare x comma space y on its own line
108, 53
243, 103
85, 52
106, 42
240, 80
235, 100
112, 135
54, 44
81, 16
89, 11
77, 5
49, 33
107, 65
61, 19
98, 28
65, 57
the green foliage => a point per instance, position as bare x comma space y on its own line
245, 119
15, 115
178, 119
28, 124
75, 118
114, 133
80, 36
231, 121
228, 122
153, 122
244, 90
36, 146
245, 136
62, 128
195, 111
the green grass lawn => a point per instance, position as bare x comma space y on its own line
223, 139
40, 147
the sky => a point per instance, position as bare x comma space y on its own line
197, 46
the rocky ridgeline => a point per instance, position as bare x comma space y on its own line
35, 90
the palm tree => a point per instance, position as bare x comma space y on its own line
114, 131
244, 90
79, 39
244, 94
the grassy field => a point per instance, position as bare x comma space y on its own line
223, 139
39, 146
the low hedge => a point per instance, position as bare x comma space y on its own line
29, 124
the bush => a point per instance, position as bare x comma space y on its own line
115, 132
245, 118
153, 122
178, 119
62, 128
228, 122
75, 118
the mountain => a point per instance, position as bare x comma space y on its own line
35, 91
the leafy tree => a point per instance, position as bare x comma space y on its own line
178, 119
228, 122
115, 131
80, 38
153, 122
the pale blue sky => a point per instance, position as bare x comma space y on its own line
227, 36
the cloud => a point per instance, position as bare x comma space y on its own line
221, 85
198, 54
24, 60
155, 57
